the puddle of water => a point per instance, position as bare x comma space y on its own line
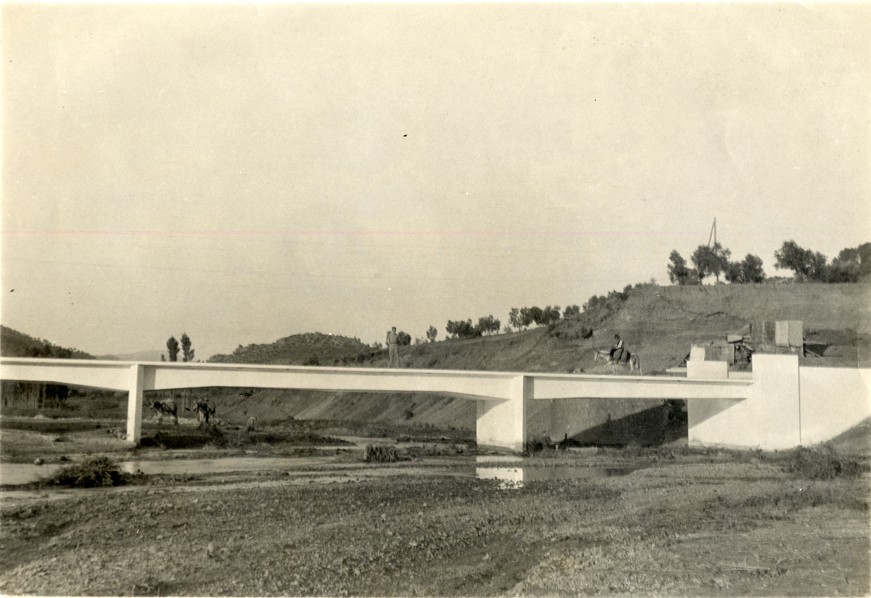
24, 473
509, 469
516, 477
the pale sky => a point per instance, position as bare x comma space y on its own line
243, 173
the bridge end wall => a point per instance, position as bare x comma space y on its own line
833, 400
769, 419
788, 406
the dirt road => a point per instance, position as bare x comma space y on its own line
685, 523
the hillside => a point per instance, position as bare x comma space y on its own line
312, 348
17, 344
659, 323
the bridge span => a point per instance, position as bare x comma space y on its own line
770, 417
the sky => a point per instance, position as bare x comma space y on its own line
244, 172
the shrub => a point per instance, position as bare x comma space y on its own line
820, 463
92, 473
381, 454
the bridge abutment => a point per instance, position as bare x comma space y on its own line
769, 419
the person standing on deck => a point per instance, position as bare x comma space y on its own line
393, 349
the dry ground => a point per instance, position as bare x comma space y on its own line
684, 523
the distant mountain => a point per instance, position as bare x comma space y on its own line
138, 356
17, 344
313, 348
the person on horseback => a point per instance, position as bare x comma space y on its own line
617, 350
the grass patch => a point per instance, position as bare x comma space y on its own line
821, 463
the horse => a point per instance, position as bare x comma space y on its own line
165, 408
634, 360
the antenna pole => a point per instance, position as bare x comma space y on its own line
713, 234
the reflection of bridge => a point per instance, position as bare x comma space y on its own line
766, 411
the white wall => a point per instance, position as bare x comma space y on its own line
833, 400
769, 419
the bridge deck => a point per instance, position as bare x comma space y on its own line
474, 385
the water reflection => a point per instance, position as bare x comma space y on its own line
517, 476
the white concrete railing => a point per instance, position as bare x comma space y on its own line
763, 412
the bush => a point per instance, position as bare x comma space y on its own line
381, 454
93, 473
820, 463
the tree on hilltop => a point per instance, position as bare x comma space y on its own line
549, 315
187, 352
462, 329
431, 334
852, 264
805, 263
571, 311
679, 273
711, 259
172, 348
489, 325
514, 319
747, 271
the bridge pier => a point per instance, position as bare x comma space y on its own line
134, 403
502, 423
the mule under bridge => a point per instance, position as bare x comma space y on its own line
760, 412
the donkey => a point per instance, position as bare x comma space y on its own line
165, 408
204, 412
634, 360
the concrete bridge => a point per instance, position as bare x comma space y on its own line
765, 411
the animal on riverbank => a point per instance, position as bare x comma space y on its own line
633, 360
165, 408
205, 413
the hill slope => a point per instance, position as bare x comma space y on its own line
17, 344
659, 323
311, 348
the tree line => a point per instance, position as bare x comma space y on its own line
851, 265
518, 319
465, 329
